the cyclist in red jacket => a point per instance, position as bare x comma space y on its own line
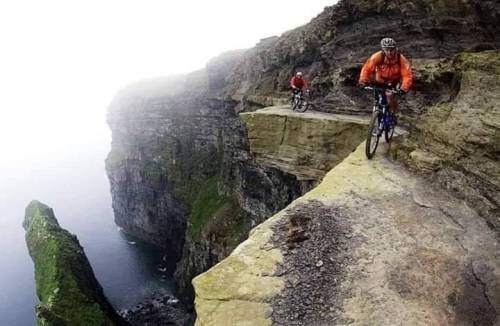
298, 83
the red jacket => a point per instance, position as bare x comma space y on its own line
300, 83
398, 69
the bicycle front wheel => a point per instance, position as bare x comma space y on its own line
389, 132
373, 136
303, 106
295, 103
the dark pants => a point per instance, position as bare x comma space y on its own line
296, 91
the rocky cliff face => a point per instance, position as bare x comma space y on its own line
457, 141
180, 170
66, 286
180, 167
331, 48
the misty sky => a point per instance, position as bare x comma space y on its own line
62, 61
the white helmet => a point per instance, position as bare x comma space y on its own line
298, 73
387, 43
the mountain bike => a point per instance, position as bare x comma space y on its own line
301, 100
382, 122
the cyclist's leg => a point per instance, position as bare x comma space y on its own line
393, 103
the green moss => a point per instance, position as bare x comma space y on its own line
115, 157
230, 225
206, 203
192, 177
217, 216
66, 286
488, 61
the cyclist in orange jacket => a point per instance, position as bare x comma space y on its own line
391, 69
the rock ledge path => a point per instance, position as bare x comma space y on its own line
406, 253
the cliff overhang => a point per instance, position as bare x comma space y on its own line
306, 145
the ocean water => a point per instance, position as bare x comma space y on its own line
77, 188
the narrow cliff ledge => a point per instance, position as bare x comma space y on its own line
372, 244
306, 145
195, 115
179, 144
66, 286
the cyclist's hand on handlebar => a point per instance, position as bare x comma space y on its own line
365, 87
400, 92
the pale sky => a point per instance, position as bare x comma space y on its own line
62, 61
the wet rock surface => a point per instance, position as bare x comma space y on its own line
158, 310
315, 240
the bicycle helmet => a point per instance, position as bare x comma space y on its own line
387, 43
298, 73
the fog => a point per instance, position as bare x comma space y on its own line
61, 63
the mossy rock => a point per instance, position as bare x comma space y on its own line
66, 286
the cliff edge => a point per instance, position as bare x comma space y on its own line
373, 244
187, 175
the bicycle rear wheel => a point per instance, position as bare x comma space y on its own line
373, 135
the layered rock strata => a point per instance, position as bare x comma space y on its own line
457, 141
66, 286
330, 49
404, 252
307, 145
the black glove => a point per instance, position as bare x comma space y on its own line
362, 86
400, 92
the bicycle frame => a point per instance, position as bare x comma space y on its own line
382, 120
381, 105
300, 100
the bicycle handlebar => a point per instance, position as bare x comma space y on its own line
379, 88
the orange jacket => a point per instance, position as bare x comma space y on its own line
388, 71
